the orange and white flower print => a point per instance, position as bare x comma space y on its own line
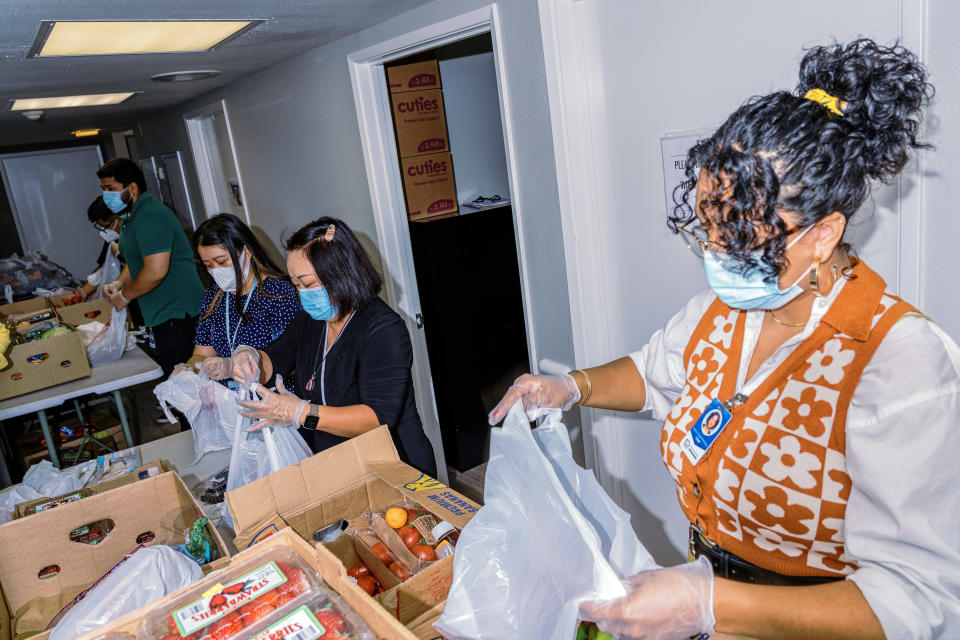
829, 556
836, 482
778, 508
723, 327
829, 362
727, 484
769, 540
763, 408
784, 459
727, 520
744, 441
704, 364
806, 410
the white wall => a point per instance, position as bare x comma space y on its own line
654, 68
473, 123
941, 239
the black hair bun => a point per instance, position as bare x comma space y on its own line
885, 89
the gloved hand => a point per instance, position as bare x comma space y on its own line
537, 392
112, 289
180, 368
245, 364
661, 604
282, 408
216, 368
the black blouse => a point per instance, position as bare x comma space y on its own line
368, 364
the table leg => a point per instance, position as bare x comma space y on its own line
51, 446
76, 407
127, 434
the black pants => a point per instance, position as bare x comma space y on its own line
174, 343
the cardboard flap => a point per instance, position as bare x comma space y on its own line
299, 486
427, 491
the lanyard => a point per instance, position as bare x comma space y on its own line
226, 310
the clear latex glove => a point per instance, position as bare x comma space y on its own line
215, 367
538, 393
661, 604
245, 364
112, 289
281, 408
180, 368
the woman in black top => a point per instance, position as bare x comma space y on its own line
350, 353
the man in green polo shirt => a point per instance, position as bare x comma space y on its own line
160, 270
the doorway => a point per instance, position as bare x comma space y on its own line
211, 141
458, 279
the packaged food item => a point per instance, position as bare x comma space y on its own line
277, 581
447, 536
323, 615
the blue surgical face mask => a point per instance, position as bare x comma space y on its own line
114, 200
316, 302
747, 289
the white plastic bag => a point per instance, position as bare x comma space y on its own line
210, 408
147, 575
547, 538
12, 497
259, 453
50, 481
110, 343
109, 271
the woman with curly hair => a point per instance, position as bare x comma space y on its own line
822, 507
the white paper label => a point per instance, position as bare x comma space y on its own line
299, 625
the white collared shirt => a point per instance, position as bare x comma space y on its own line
902, 523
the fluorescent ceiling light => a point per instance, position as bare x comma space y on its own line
83, 133
96, 38
92, 100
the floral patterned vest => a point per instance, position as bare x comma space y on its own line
773, 487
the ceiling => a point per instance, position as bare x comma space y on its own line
291, 28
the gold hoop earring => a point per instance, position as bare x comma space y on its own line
815, 288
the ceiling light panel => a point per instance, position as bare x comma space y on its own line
96, 38
60, 102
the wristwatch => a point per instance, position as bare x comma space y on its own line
313, 417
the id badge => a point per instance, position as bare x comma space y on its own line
704, 431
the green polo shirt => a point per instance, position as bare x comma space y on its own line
153, 228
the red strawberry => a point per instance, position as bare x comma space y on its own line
233, 589
217, 601
256, 610
172, 625
296, 580
284, 596
331, 620
226, 627
171, 636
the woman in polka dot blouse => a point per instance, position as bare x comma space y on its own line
266, 302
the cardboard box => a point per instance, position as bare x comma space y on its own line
41, 505
114, 432
379, 620
24, 306
414, 76
420, 122
44, 363
259, 532
429, 186
162, 505
84, 312
362, 474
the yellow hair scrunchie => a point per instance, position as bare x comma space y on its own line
824, 99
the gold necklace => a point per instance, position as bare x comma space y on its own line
786, 324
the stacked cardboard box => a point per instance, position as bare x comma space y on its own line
420, 124
364, 474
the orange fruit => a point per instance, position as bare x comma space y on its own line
396, 517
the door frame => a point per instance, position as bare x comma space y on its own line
201, 157
566, 57
374, 116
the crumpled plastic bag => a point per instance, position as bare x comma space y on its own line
259, 453
109, 271
14, 496
210, 408
146, 575
43, 480
110, 343
547, 538
32, 275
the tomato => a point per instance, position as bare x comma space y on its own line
368, 584
382, 552
410, 536
358, 570
413, 513
424, 551
400, 571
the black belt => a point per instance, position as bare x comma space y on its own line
728, 565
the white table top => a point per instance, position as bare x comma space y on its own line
133, 368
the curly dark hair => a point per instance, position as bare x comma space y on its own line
784, 152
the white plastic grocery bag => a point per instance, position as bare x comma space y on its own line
547, 538
109, 272
109, 345
210, 408
259, 453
